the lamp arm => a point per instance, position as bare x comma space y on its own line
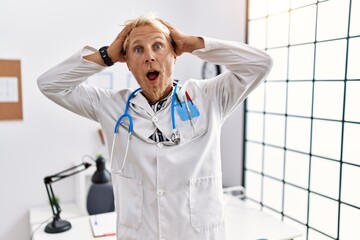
55, 207
64, 174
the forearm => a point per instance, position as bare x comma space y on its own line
247, 68
110, 53
239, 58
63, 84
69, 73
96, 58
193, 43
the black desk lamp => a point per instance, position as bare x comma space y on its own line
101, 175
58, 225
100, 198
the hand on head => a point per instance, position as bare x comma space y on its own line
115, 49
177, 37
181, 42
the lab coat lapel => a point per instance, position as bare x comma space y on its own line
139, 104
142, 115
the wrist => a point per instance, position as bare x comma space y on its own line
195, 43
105, 57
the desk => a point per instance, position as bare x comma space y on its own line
80, 230
243, 222
39, 214
247, 223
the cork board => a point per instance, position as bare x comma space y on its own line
10, 90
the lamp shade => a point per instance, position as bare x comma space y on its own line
100, 197
101, 174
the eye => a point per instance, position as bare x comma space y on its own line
138, 50
158, 46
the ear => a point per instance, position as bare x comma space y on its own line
127, 64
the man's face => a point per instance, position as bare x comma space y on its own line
150, 57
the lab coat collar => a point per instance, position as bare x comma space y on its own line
141, 107
140, 101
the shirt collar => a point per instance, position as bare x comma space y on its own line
139, 99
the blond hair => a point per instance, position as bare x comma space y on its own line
145, 20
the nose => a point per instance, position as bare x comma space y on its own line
149, 56
150, 60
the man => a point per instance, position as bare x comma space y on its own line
167, 176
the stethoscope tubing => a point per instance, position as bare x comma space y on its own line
173, 122
126, 113
125, 156
131, 126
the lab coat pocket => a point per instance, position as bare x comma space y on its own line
206, 203
129, 200
191, 120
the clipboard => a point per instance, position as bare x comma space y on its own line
103, 225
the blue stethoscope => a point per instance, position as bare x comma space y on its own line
175, 136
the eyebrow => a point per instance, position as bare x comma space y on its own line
139, 41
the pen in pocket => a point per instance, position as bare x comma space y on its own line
189, 113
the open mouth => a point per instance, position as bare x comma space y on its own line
152, 75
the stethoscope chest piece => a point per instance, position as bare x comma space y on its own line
176, 137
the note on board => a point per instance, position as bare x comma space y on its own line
10, 90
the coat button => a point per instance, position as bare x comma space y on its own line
160, 145
160, 192
155, 119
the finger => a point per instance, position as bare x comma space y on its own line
164, 22
116, 47
125, 32
120, 39
168, 25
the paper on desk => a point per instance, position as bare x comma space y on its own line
103, 224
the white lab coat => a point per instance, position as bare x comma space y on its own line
166, 191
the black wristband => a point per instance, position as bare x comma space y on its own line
105, 57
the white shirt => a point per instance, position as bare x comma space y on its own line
166, 191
